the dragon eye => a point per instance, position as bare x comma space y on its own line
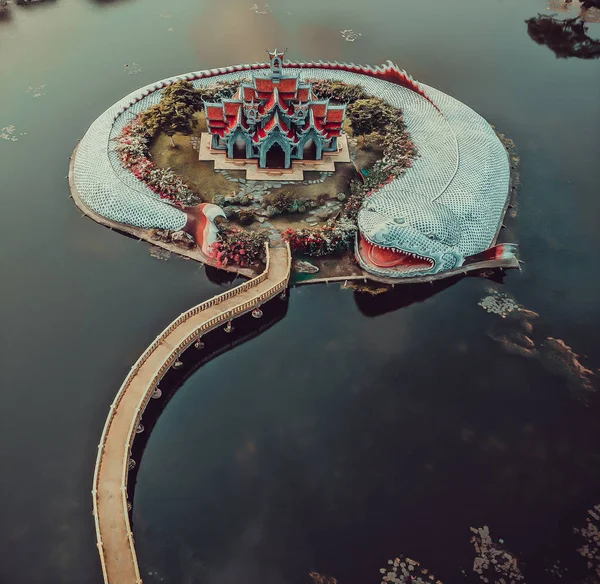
432, 235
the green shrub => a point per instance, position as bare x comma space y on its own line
371, 115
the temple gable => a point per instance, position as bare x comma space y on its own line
273, 118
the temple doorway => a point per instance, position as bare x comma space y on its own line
275, 156
309, 151
239, 148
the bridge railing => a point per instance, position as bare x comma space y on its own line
222, 318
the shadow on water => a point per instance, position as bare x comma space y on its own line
565, 38
403, 296
216, 343
220, 277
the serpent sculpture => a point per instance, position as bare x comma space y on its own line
444, 213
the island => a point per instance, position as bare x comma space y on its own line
281, 170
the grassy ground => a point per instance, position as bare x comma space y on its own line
198, 175
201, 178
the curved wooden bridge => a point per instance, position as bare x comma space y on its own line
111, 507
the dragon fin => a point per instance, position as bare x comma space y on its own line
501, 251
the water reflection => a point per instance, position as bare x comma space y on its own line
220, 277
215, 343
403, 296
32, 3
5, 13
108, 2
565, 38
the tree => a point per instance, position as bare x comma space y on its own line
183, 91
371, 115
171, 117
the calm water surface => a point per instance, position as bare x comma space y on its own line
351, 430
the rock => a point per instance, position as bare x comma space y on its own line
183, 239
324, 215
304, 267
160, 235
246, 217
218, 200
261, 219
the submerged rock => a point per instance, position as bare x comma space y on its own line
304, 267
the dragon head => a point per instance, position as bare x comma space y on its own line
402, 236
202, 223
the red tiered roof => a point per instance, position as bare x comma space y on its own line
335, 114
319, 109
273, 96
214, 112
288, 85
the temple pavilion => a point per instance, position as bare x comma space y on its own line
275, 119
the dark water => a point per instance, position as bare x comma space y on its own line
338, 437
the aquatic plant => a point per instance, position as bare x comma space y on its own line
492, 560
499, 303
349, 35
591, 533
406, 571
321, 578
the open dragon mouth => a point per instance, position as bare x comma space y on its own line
390, 258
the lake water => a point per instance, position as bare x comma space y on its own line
351, 430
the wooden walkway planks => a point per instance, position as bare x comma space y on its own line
113, 529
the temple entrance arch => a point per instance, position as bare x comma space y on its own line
310, 147
309, 150
239, 148
276, 157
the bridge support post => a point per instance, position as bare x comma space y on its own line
199, 344
140, 428
178, 364
131, 464
228, 327
156, 393
257, 312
